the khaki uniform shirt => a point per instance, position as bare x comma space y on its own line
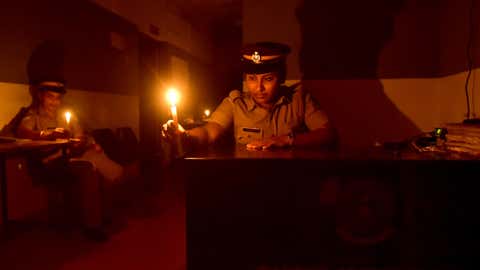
36, 120
295, 111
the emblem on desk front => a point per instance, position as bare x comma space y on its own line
256, 58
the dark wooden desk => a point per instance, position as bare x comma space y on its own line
16, 148
245, 208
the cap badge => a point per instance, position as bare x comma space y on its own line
256, 58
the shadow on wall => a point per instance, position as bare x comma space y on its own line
341, 45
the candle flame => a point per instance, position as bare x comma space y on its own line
173, 96
68, 115
207, 112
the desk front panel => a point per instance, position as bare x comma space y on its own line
270, 211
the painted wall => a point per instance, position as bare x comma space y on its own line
162, 15
94, 110
382, 70
101, 59
454, 24
101, 52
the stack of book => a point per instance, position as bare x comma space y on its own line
464, 138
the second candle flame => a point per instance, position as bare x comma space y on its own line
68, 116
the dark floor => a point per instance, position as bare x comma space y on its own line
149, 234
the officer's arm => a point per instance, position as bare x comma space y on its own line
26, 133
25, 129
221, 120
206, 134
316, 138
321, 131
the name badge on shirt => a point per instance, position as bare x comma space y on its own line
248, 134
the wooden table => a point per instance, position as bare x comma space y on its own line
245, 208
16, 148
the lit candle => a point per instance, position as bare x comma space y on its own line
173, 97
68, 116
207, 113
173, 110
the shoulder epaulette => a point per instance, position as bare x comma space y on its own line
235, 94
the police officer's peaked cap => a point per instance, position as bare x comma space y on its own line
263, 57
45, 67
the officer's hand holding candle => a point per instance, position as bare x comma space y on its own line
172, 128
54, 133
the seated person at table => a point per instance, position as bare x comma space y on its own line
42, 121
269, 114
86, 163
